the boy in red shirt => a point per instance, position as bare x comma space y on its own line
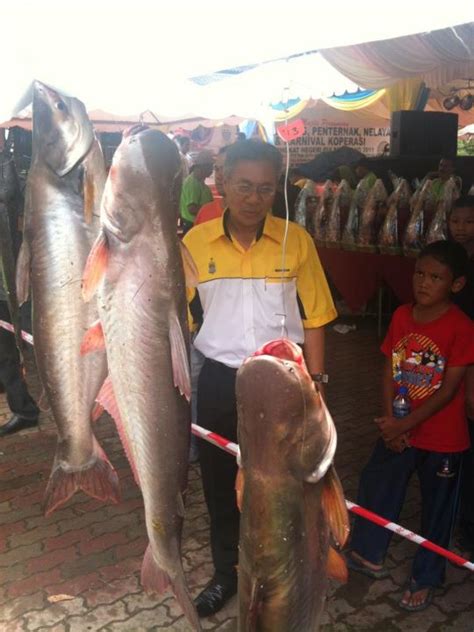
428, 346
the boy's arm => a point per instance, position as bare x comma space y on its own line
391, 428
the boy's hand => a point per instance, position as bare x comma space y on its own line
390, 428
399, 444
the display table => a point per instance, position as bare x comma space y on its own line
358, 275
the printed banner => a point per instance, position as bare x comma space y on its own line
326, 134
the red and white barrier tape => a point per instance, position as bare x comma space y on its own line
233, 448
24, 334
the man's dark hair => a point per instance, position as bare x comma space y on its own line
450, 254
464, 201
255, 151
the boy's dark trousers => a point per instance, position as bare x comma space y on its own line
217, 411
19, 400
382, 489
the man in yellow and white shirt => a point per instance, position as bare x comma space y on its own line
249, 292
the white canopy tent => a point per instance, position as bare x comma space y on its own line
125, 57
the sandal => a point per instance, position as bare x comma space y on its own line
359, 567
412, 588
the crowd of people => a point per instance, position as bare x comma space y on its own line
236, 242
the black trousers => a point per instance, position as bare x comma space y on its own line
217, 411
382, 488
19, 400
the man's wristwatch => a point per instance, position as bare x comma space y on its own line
320, 378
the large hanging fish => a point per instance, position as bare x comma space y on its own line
64, 188
292, 504
136, 268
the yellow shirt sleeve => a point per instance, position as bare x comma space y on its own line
313, 290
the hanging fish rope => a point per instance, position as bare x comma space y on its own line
233, 448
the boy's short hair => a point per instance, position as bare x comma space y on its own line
450, 254
252, 150
465, 201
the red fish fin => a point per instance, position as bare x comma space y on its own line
156, 580
89, 195
23, 273
179, 358
106, 399
95, 267
334, 507
191, 273
336, 566
99, 480
239, 487
97, 412
93, 339
153, 578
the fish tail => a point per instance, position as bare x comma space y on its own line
155, 579
98, 479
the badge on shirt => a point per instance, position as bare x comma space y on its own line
211, 268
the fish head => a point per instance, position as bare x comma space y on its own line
284, 425
62, 131
143, 184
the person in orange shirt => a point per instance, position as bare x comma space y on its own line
214, 209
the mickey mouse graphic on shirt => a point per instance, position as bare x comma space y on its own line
417, 363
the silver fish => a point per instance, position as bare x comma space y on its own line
64, 184
136, 268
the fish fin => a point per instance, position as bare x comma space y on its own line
334, 507
93, 339
179, 358
89, 195
239, 487
155, 580
23, 273
106, 399
191, 273
97, 411
95, 267
336, 566
98, 480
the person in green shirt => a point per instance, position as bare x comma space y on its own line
363, 173
195, 192
446, 170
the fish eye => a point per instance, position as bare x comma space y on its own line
60, 105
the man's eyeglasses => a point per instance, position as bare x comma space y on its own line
244, 189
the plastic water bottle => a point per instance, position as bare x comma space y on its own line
401, 404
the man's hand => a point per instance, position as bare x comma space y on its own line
390, 428
399, 444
